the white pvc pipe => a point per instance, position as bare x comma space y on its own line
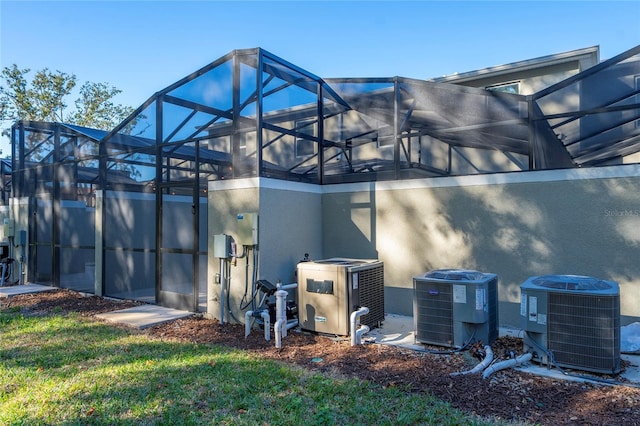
247, 323
281, 312
356, 334
265, 318
282, 324
288, 286
277, 329
480, 366
506, 364
291, 324
267, 324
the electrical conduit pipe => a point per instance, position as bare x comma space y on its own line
356, 335
222, 290
506, 364
480, 366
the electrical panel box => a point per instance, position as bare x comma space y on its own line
247, 229
221, 246
9, 228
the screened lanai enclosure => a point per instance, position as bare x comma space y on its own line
124, 213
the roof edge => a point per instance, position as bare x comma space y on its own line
542, 61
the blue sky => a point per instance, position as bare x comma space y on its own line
143, 46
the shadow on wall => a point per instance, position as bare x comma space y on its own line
581, 227
416, 234
349, 224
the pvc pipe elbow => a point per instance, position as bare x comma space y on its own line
356, 335
277, 329
247, 323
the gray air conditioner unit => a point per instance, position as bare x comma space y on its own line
573, 319
452, 307
330, 290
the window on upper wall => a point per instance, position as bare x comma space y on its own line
512, 87
387, 141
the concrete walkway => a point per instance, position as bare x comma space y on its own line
144, 316
139, 317
14, 290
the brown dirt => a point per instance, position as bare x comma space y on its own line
508, 394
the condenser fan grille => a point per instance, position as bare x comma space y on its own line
371, 287
584, 331
434, 312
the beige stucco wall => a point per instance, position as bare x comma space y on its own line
289, 225
531, 81
584, 222
516, 225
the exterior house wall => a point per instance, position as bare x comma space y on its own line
532, 74
289, 225
516, 225
531, 81
584, 222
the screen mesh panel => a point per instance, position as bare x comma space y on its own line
584, 331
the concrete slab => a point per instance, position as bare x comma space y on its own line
15, 290
144, 316
398, 330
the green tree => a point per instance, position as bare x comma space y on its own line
96, 109
45, 99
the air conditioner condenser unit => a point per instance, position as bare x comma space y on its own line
572, 321
453, 307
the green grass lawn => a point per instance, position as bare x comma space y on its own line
67, 370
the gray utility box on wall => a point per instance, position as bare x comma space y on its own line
330, 290
453, 307
575, 318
